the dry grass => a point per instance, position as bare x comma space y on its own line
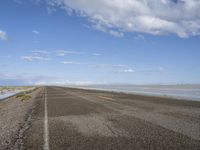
24, 96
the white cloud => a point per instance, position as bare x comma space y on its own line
34, 58
63, 82
25, 78
152, 70
3, 35
116, 33
157, 17
148, 70
140, 37
37, 79
108, 66
83, 83
35, 32
62, 53
37, 55
96, 54
40, 52
70, 62
127, 71
46, 82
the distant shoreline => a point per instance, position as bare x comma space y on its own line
186, 92
9, 93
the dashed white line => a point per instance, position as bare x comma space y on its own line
46, 128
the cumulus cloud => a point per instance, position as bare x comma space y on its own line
157, 17
3, 35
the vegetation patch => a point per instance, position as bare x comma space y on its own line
24, 96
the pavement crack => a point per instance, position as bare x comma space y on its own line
18, 140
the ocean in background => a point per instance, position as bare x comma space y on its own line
184, 91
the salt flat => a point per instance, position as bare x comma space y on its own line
186, 91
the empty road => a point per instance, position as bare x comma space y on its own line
67, 118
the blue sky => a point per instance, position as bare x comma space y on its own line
87, 42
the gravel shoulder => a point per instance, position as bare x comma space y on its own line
14, 117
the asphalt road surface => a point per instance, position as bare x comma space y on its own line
67, 118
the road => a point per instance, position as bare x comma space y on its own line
67, 118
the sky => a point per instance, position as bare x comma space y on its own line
99, 42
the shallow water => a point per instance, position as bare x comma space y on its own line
189, 92
8, 94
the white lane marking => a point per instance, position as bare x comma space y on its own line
46, 128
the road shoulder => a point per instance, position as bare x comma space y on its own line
15, 115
